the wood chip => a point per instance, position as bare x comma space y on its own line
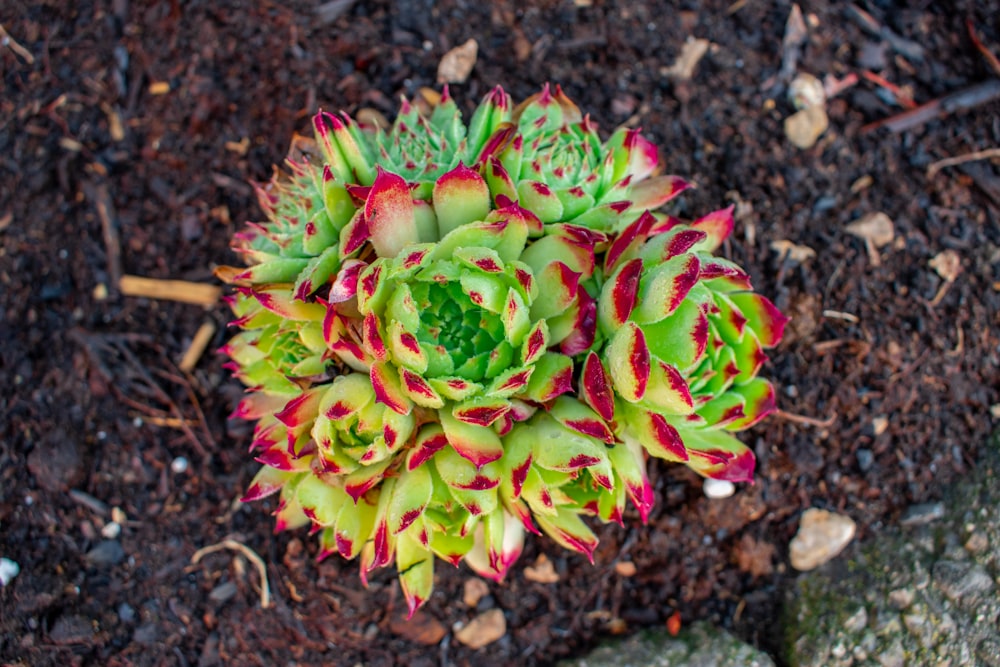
171, 290
691, 54
457, 64
159, 88
542, 572
880, 424
473, 591
483, 629
201, 339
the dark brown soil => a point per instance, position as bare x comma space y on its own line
90, 386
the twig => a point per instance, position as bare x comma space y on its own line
986, 154
962, 100
251, 555
902, 97
98, 194
11, 43
182, 291
808, 421
989, 55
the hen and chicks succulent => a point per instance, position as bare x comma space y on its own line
453, 335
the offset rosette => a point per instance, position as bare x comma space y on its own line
685, 341
557, 166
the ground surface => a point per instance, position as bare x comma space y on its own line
90, 388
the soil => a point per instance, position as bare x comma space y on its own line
126, 146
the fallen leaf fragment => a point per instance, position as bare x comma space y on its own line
473, 591
542, 572
796, 253
457, 64
691, 53
483, 630
422, 628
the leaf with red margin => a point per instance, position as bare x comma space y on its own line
353, 235
628, 241
345, 284
518, 446
415, 564
619, 296
583, 326
762, 316
718, 225
659, 438
577, 416
667, 391
681, 338
655, 192
663, 288
629, 464
419, 390
460, 196
553, 376
320, 501
758, 402
388, 389
669, 244
719, 455
389, 214
430, 439
478, 444
628, 362
561, 285
410, 497
481, 411
595, 387
568, 529
723, 410
268, 481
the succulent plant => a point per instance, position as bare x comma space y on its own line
456, 335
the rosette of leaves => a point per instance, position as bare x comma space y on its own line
455, 335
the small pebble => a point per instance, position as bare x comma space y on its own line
483, 629
179, 465
223, 592
865, 459
108, 552
126, 614
804, 127
806, 91
111, 530
8, 570
718, 488
822, 535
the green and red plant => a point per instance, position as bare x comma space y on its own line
453, 335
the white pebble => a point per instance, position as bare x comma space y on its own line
821, 536
8, 570
179, 465
718, 488
111, 530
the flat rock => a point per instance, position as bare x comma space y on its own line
822, 535
700, 645
56, 462
804, 127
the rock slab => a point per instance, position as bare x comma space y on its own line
700, 645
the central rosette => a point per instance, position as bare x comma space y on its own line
460, 338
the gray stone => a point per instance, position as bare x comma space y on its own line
700, 645
106, 553
963, 583
930, 597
